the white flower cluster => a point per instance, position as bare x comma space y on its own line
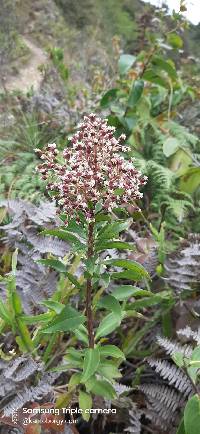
93, 170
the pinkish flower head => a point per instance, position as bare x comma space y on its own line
91, 171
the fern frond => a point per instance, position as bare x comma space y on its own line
162, 396
172, 347
188, 333
134, 420
172, 374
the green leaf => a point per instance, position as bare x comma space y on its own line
14, 261
120, 245
170, 146
4, 313
35, 319
175, 40
149, 301
195, 358
123, 292
74, 280
108, 371
128, 275
165, 66
68, 319
109, 302
81, 334
181, 428
74, 380
107, 325
135, 93
192, 415
90, 364
111, 230
190, 181
85, 404
101, 388
53, 305
151, 76
112, 351
53, 263
66, 236
108, 98
125, 63
178, 358
137, 268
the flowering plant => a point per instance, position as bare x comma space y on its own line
89, 181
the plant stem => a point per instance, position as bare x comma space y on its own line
89, 314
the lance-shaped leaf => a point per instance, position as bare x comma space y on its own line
54, 263
67, 236
90, 364
133, 266
68, 319
101, 388
123, 292
112, 351
85, 403
109, 302
135, 93
116, 244
107, 325
192, 415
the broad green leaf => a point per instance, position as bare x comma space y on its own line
137, 268
178, 358
135, 93
125, 63
109, 302
53, 305
108, 98
75, 379
181, 428
190, 181
101, 388
108, 371
107, 325
85, 404
120, 245
150, 75
195, 358
112, 351
123, 292
170, 146
90, 364
175, 40
53, 263
165, 66
68, 319
192, 415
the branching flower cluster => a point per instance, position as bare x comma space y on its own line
92, 170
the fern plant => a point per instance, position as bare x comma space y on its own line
166, 402
18, 177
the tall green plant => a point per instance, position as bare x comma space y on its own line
89, 181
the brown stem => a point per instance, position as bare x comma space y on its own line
89, 314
